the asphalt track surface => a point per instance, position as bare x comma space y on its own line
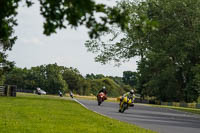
162, 120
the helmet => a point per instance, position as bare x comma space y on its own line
132, 91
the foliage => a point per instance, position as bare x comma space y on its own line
173, 52
58, 14
121, 83
75, 81
2, 79
47, 77
16, 77
165, 35
130, 78
112, 87
5, 65
115, 85
117, 80
93, 76
52, 78
77, 13
7, 39
198, 101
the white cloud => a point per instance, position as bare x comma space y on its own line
32, 41
65, 48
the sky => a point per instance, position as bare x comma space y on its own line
66, 47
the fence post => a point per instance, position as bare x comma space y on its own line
2, 90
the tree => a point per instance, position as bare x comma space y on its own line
112, 88
165, 35
130, 78
58, 14
117, 80
54, 79
74, 79
16, 77
7, 39
47, 77
93, 76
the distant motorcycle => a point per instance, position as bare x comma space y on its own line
125, 103
100, 98
71, 94
60, 93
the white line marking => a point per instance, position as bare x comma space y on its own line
93, 110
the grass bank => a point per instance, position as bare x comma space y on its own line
51, 114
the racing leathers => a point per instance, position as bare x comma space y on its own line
104, 91
130, 96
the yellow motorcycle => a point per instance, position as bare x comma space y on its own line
124, 104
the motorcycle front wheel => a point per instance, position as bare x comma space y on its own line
123, 108
99, 102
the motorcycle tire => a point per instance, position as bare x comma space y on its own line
99, 103
124, 107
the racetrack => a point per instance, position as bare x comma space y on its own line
162, 120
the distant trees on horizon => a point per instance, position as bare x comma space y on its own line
53, 78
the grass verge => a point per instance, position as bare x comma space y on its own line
198, 101
190, 110
50, 114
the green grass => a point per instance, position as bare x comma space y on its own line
50, 114
198, 101
190, 110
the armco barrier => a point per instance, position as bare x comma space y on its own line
191, 105
169, 104
183, 104
138, 100
176, 104
164, 103
2, 90
8, 90
198, 106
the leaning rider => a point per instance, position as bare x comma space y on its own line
130, 95
104, 91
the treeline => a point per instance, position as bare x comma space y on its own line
164, 35
53, 78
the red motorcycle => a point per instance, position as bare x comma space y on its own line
100, 98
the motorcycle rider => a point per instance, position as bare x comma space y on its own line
71, 94
60, 93
130, 95
104, 91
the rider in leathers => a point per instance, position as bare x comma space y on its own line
104, 91
130, 95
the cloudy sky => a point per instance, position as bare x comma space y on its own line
65, 48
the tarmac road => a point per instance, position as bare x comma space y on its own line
162, 120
